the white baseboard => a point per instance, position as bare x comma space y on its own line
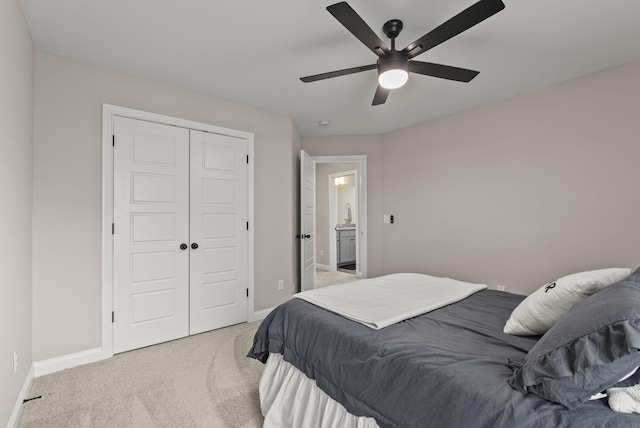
260, 315
67, 361
41, 368
17, 410
323, 267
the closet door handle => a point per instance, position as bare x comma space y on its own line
194, 246
183, 247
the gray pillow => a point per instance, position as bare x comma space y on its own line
594, 346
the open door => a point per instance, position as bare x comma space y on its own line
307, 221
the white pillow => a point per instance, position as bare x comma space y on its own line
544, 307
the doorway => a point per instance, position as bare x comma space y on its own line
330, 215
343, 209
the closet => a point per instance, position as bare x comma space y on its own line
180, 242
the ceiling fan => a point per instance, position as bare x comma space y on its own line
394, 66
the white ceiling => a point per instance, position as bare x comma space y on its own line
255, 51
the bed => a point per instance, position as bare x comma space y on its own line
450, 367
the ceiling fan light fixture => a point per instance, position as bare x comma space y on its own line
393, 79
392, 70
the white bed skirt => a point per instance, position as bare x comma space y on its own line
288, 398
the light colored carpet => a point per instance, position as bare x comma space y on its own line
325, 277
204, 380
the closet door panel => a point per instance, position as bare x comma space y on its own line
219, 264
151, 220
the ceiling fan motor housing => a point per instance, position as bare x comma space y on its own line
394, 60
393, 70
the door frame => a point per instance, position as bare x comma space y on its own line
109, 112
362, 203
333, 220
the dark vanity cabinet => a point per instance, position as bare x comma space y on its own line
346, 246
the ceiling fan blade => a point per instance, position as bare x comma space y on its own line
381, 96
338, 73
356, 25
456, 25
442, 71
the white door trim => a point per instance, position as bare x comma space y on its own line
333, 220
362, 201
109, 112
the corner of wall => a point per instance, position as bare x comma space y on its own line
16, 194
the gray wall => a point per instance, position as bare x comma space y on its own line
67, 192
514, 193
16, 112
521, 191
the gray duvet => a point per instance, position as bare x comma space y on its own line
447, 368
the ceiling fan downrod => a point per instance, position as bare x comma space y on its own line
392, 28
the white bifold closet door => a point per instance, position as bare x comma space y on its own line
180, 244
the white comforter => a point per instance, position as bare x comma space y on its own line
383, 301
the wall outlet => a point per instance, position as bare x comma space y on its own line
281, 284
322, 252
501, 288
15, 361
